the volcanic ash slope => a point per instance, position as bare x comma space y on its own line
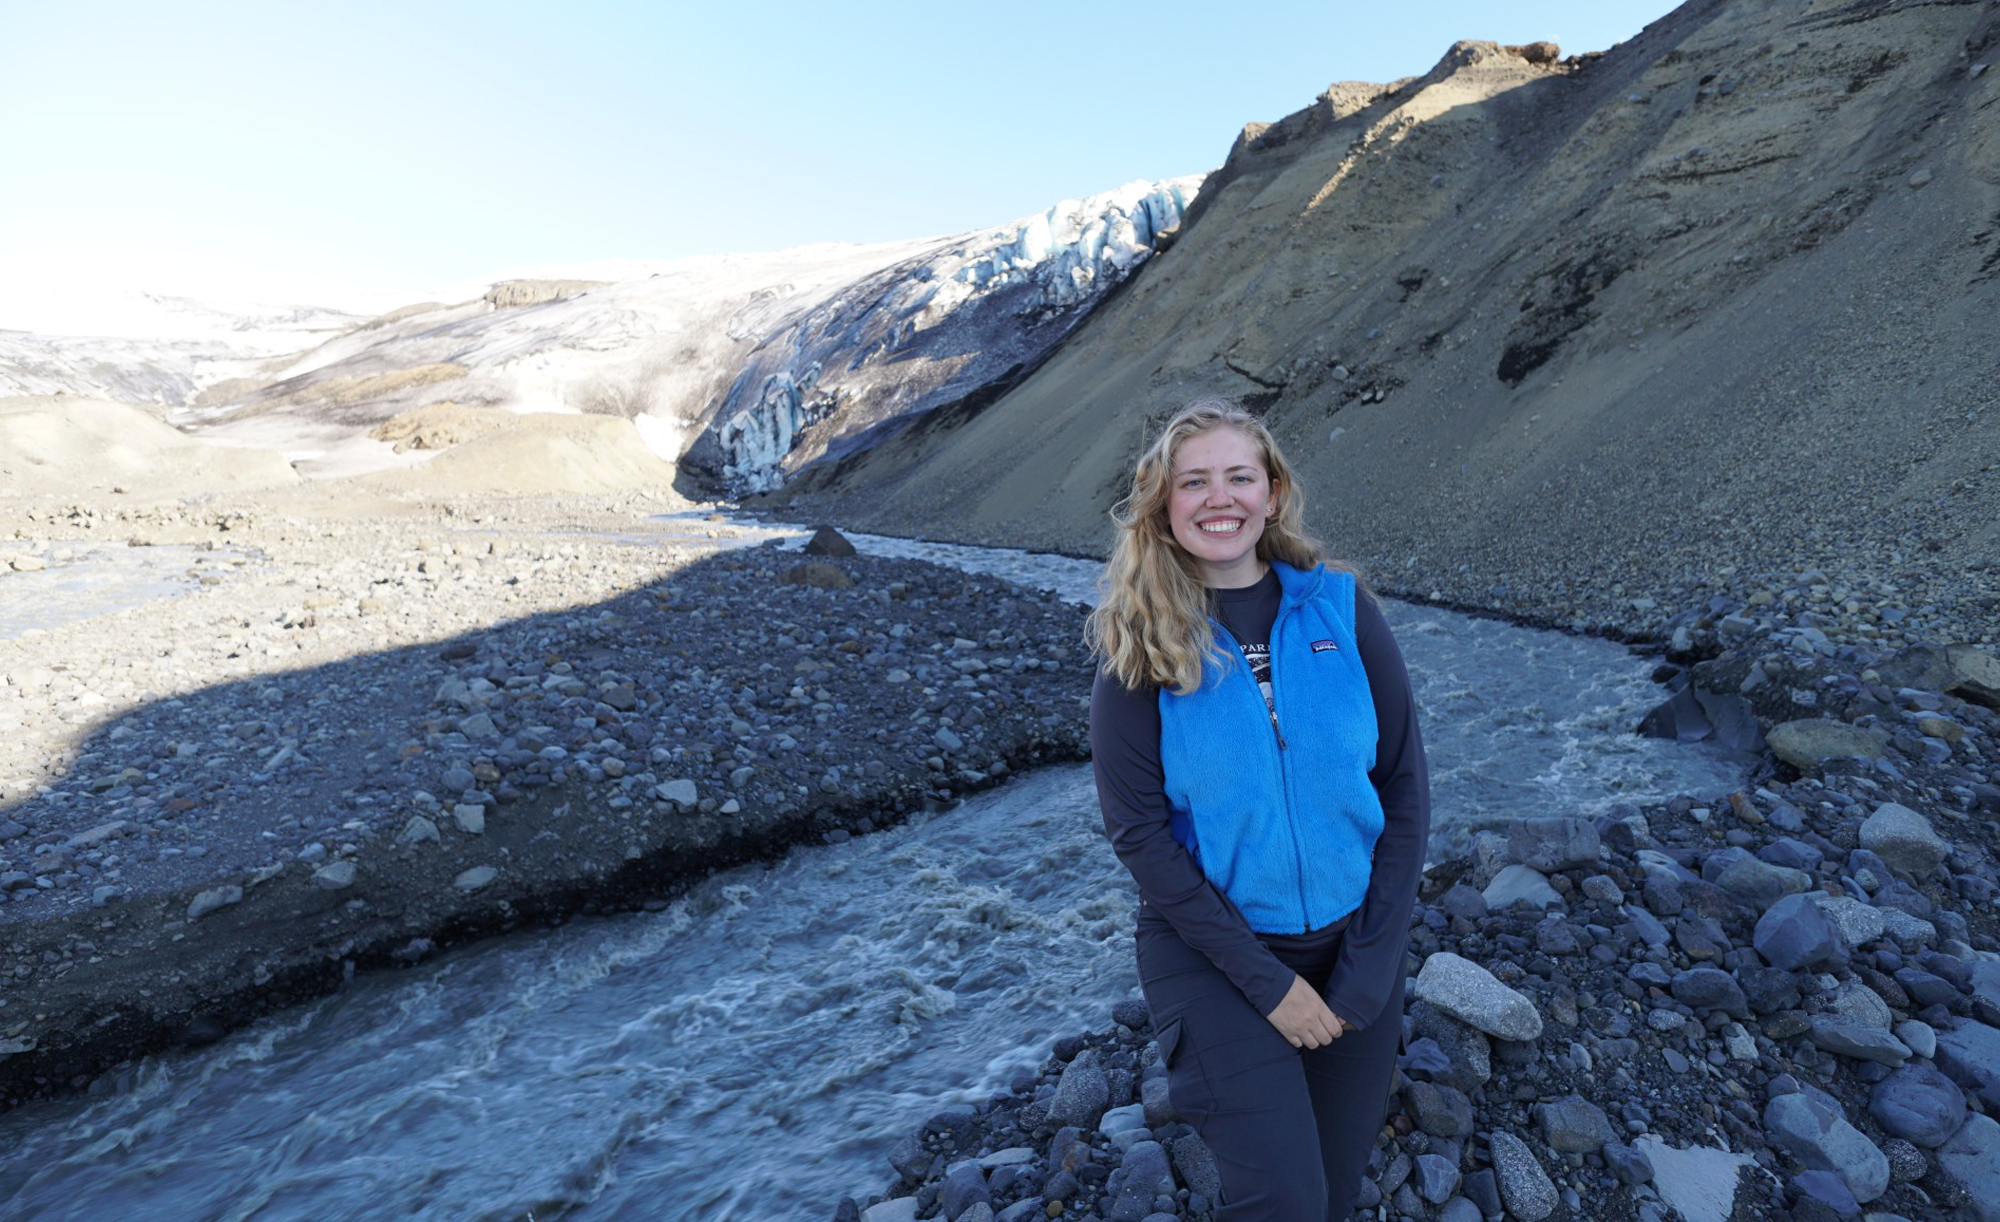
1584, 341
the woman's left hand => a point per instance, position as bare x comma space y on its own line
1303, 1018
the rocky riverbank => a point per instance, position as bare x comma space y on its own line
381, 729
1780, 1002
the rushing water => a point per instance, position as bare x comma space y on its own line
753, 1051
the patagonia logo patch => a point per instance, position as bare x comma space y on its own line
1324, 646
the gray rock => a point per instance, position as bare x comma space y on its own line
470, 818
826, 541
1145, 1175
334, 876
964, 1184
213, 899
1709, 988
1793, 933
1158, 1104
1195, 1164
457, 779
417, 830
1471, 994
1629, 1165
896, 1209
1857, 923
1829, 1190
1820, 1137
1906, 1162
1574, 1125
1551, 844
1524, 1186
1918, 1037
1861, 1041
1808, 744
818, 574
1458, 1209
1986, 982
1436, 1178
946, 740
1975, 675
1918, 1104
475, 878
1082, 1092
1519, 884
1907, 929
1904, 839
681, 792
1439, 1110
1854, 1000
1972, 1157
1969, 1053
1755, 882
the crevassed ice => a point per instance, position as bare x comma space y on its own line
1056, 261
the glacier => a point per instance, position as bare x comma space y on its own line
973, 311
743, 369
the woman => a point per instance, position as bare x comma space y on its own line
1261, 775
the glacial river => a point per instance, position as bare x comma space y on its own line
753, 1051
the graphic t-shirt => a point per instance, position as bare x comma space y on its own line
1248, 614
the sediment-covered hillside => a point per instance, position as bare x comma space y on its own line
1589, 340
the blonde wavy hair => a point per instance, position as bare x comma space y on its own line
1150, 626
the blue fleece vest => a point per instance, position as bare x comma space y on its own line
1282, 818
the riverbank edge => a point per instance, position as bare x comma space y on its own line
149, 986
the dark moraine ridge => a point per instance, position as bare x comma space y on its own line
563, 763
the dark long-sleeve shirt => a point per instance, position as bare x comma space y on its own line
1125, 749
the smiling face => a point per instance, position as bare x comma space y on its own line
1220, 499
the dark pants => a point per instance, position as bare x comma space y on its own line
1290, 1127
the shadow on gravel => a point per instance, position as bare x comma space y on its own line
209, 858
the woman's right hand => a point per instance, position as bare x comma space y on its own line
1303, 1019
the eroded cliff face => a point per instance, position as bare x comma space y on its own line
1570, 339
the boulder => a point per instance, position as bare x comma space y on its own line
826, 541
1520, 884
1818, 1135
1918, 1104
1793, 933
1551, 844
1809, 743
1972, 1157
1574, 1125
1757, 883
1471, 994
817, 574
1975, 675
1904, 839
1524, 1186
1082, 1093
1857, 1040
1968, 1052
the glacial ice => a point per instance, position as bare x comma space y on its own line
931, 330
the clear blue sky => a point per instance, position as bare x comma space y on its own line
397, 145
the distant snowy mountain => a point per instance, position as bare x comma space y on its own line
155, 349
742, 368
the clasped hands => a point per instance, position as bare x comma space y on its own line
1303, 1018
